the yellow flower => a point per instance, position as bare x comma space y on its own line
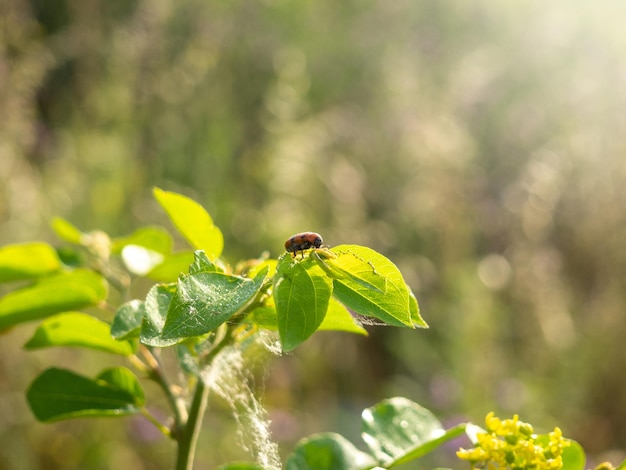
511, 444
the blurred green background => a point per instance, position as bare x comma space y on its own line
479, 145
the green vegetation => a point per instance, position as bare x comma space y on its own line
211, 309
476, 144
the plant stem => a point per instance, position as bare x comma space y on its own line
189, 436
164, 429
156, 373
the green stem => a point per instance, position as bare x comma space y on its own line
156, 373
189, 435
164, 429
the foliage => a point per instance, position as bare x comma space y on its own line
211, 308
471, 142
199, 313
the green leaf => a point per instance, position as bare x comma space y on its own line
428, 446
264, 317
59, 293
302, 291
156, 306
328, 451
621, 466
202, 264
171, 267
240, 466
127, 320
339, 319
66, 231
573, 455
70, 256
205, 300
27, 261
192, 221
416, 318
59, 394
153, 238
123, 379
256, 266
368, 283
78, 330
397, 426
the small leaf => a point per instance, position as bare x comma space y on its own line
368, 283
156, 306
127, 320
171, 267
59, 293
573, 455
395, 426
78, 330
66, 231
153, 238
328, 451
27, 261
59, 394
205, 300
302, 291
72, 256
192, 221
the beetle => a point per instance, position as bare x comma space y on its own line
303, 241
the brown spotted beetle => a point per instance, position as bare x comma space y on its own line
303, 241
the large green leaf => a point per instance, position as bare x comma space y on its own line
59, 293
396, 427
27, 261
302, 291
78, 330
368, 283
328, 451
59, 394
192, 221
127, 320
156, 306
205, 300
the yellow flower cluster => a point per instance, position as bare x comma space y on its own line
512, 444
